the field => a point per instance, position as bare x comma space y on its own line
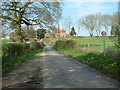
95, 43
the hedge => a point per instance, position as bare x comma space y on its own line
67, 43
12, 50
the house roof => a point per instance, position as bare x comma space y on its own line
61, 30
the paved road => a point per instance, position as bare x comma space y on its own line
65, 72
54, 70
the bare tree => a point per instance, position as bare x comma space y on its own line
115, 19
89, 23
78, 26
67, 23
106, 22
98, 23
29, 13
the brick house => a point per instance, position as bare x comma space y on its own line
59, 33
48, 35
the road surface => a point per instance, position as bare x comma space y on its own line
52, 69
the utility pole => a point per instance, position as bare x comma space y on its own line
58, 30
104, 46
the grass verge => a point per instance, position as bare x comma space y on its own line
97, 60
21, 59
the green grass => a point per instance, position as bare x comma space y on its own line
95, 42
93, 59
21, 59
3, 42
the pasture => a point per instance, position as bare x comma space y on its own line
96, 43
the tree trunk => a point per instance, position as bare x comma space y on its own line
91, 34
19, 36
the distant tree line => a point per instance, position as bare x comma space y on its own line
95, 23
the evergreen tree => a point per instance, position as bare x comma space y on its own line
72, 33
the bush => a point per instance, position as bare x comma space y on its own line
113, 52
68, 43
13, 50
35, 45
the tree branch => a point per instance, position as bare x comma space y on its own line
26, 5
8, 9
6, 17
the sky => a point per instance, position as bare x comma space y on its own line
76, 10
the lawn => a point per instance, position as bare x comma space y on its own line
94, 42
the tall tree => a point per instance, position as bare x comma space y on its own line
52, 28
72, 33
78, 26
89, 23
67, 23
98, 23
29, 13
41, 33
106, 22
115, 25
28, 32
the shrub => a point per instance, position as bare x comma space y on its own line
13, 50
68, 43
35, 45
113, 52
71, 43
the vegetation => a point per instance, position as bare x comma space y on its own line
20, 58
14, 14
97, 60
67, 23
41, 33
72, 33
93, 42
3, 42
13, 50
28, 32
94, 58
95, 23
67, 43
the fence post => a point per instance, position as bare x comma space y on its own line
104, 47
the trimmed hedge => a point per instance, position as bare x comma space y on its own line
13, 50
67, 43
35, 45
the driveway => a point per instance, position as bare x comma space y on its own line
52, 69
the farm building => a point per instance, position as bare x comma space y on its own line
59, 33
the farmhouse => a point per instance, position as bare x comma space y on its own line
49, 35
58, 33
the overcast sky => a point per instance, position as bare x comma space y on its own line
78, 9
